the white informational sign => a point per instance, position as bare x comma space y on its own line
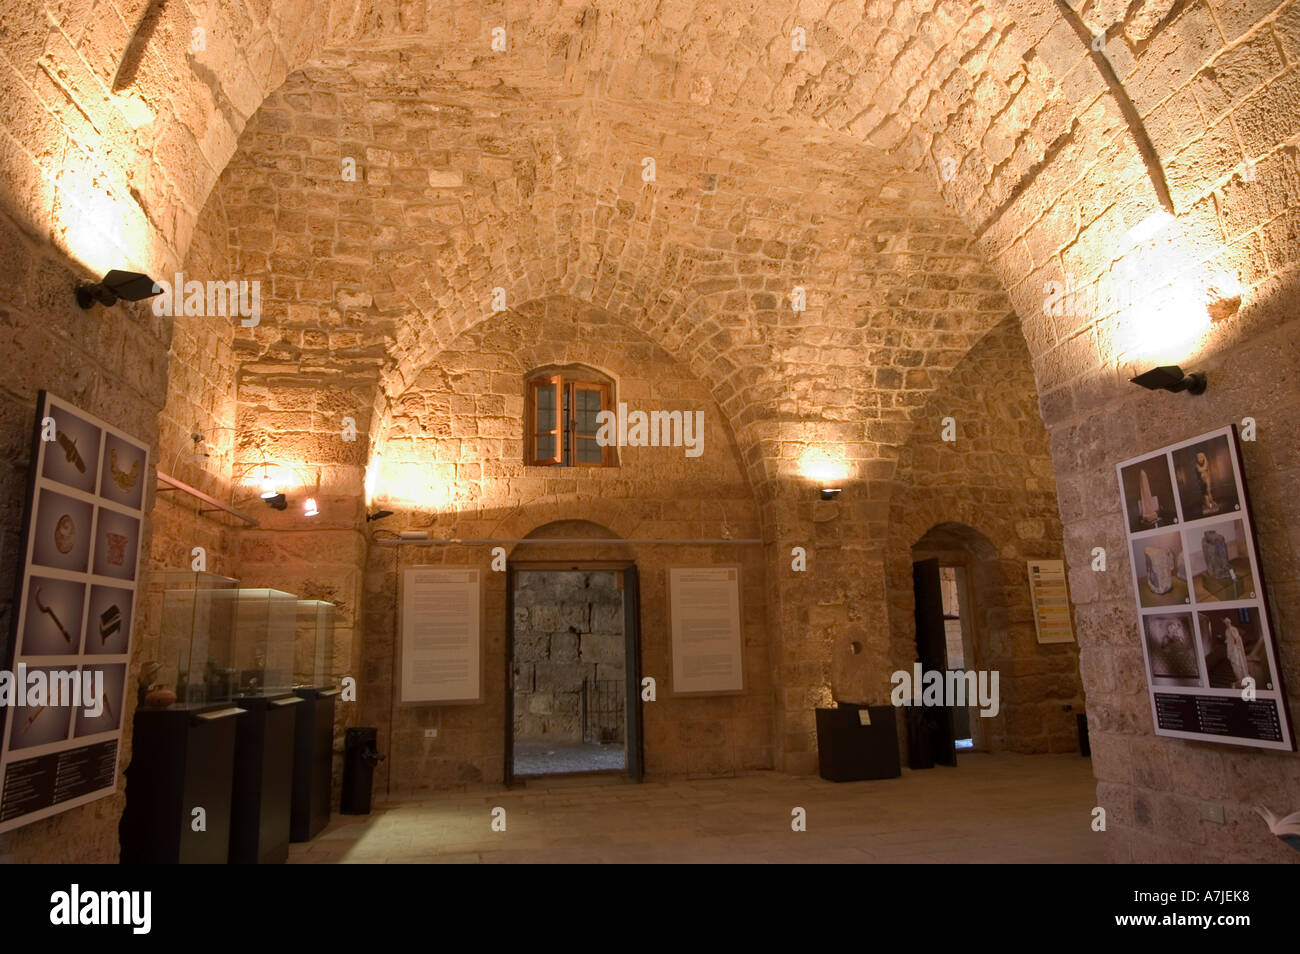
1051, 598
706, 634
1207, 639
76, 608
441, 627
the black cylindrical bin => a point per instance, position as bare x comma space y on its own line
360, 756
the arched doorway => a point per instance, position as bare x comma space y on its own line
960, 612
573, 655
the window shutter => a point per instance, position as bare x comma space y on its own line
546, 420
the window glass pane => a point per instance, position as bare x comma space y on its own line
588, 451
545, 408
588, 408
545, 446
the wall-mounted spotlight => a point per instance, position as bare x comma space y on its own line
830, 493
1170, 377
309, 507
117, 286
276, 501
378, 515
268, 485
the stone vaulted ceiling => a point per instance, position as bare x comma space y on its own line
873, 152
463, 189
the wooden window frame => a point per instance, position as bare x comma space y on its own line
535, 385
566, 385
572, 387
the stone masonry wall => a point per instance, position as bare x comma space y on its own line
112, 362
568, 633
992, 491
452, 464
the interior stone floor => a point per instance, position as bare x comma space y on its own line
991, 808
563, 758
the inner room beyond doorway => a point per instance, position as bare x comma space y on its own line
569, 673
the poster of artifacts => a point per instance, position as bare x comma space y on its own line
64, 680
704, 607
441, 627
1211, 660
1051, 599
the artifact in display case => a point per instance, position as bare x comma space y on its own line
266, 623
196, 646
313, 651
184, 731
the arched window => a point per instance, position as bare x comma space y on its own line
562, 423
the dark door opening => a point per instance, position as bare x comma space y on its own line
573, 654
958, 646
930, 728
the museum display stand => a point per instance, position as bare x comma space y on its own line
315, 683
265, 629
182, 753
857, 742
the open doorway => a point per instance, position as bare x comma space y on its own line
958, 640
573, 653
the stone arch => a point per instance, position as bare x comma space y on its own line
619, 356
583, 534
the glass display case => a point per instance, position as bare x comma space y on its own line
313, 651
196, 646
266, 623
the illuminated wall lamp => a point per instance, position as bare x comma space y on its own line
830, 493
116, 286
1170, 377
309, 507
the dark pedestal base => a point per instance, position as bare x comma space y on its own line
263, 783
848, 751
313, 757
182, 758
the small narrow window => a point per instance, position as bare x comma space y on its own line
563, 419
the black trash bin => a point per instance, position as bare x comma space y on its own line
360, 756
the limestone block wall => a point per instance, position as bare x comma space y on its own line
992, 490
451, 463
568, 633
113, 363
1215, 290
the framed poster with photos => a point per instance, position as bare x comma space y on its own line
1207, 641
74, 606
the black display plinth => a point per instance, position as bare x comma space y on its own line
182, 758
313, 758
263, 782
849, 751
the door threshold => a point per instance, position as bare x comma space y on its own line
571, 779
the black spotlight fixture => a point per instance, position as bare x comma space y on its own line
1170, 377
276, 501
378, 515
830, 493
117, 286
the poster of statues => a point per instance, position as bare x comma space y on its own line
1210, 655
72, 622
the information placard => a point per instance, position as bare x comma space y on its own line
70, 644
441, 627
1051, 598
707, 643
1203, 620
